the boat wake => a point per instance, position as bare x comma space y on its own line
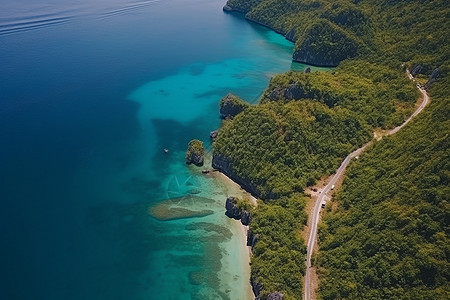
27, 19
132, 8
32, 23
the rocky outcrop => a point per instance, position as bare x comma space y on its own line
233, 211
195, 153
246, 217
275, 296
213, 134
231, 105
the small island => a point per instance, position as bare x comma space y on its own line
195, 153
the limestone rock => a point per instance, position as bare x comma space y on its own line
246, 218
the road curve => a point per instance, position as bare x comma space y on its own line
315, 217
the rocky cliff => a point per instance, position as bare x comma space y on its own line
325, 45
231, 105
225, 165
234, 211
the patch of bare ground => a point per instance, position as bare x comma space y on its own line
314, 282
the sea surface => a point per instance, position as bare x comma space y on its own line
91, 92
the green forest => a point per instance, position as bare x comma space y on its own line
279, 251
385, 236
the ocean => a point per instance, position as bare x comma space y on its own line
91, 92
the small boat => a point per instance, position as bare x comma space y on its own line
166, 150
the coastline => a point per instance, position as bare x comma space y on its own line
234, 189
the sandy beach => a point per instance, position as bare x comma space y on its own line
231, 188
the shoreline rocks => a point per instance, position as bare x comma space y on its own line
227, 8
213, 134
256, 287
235, 212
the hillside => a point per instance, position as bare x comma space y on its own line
306, 123
327, 32
388, 236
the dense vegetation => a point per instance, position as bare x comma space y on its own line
381, 96
278, 256
282, 148
388, 237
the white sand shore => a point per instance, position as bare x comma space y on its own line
233, 189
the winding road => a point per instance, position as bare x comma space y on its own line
323, 194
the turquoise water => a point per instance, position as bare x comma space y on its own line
90, 94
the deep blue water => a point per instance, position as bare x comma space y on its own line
89, 95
